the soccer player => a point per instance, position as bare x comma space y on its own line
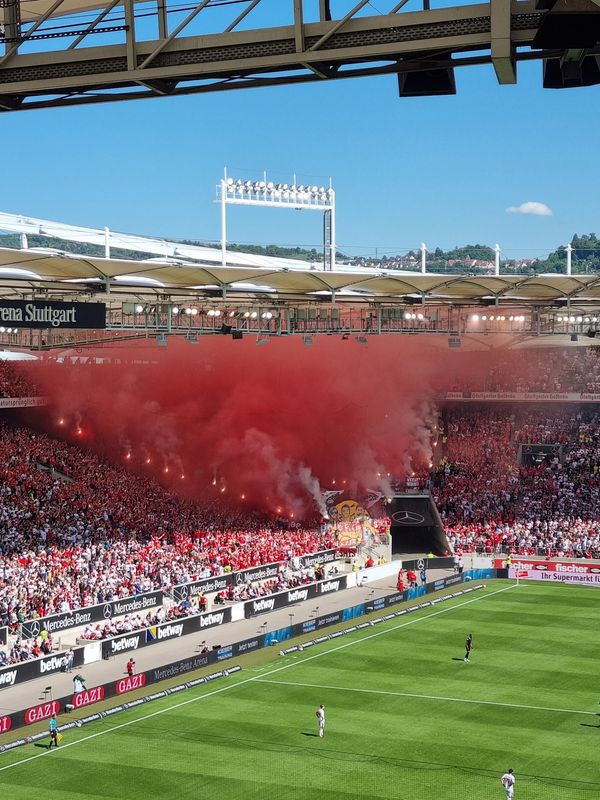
321, 718
468, 646
53, 732
508, 781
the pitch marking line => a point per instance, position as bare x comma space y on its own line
256, 677
427, 697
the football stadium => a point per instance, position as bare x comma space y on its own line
287, 515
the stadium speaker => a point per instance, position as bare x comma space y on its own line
561, 74
574, 337
426, 82
591, 334
568, 24
226, 329
237, 335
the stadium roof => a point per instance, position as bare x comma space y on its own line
24, 270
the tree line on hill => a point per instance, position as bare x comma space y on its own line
476, 258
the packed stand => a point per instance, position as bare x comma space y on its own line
490, 502
107, 534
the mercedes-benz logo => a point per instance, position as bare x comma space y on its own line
420, 564
35, 629
408, 518
184, 592
107, 611
239, 578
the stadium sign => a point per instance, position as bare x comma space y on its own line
52, 314
271, 602
3, 635
322, 557
216, 583
85, 616
575, 572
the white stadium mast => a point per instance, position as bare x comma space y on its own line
265, 193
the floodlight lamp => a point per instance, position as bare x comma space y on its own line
484, 317
229, 181
254, 315
270, 185
246, 314
300, 188
475, 317
263, 185
217, 312
559, 319
210, 312
491, 317
175, 311
139, 309
194, 312
188, 311
594, 319
587, 319
420, 317
2, 329
579, 319
571, 319
407, 315
285, 186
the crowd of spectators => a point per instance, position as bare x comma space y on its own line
16, 381
106, 533
489, 499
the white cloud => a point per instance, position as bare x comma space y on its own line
531, 207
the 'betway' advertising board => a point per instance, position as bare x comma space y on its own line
576, 572
271, 602
52, 314
86, 616
37, 668
129, 642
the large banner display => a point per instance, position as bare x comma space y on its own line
352, 524
23, 402
85, 616
52, 314
576, 572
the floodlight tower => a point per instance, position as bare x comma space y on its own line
264, 193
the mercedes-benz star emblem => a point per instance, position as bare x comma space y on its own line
408, 518
107, 611
184, 592
239, 578
35, 629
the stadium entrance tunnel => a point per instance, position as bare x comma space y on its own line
416, 525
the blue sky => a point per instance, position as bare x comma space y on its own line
441, 170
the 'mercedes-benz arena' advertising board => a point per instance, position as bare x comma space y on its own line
556, 572
52, 314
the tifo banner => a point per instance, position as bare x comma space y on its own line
52, 314
85, 616
576, 572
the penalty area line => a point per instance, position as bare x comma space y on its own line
256, 678
427, 697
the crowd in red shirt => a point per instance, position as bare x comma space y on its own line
488, 501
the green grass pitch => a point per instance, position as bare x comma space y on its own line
406, 717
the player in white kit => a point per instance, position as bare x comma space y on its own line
321, 719
508, 781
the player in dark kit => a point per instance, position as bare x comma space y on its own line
468, 646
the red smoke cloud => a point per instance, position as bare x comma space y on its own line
275, 423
